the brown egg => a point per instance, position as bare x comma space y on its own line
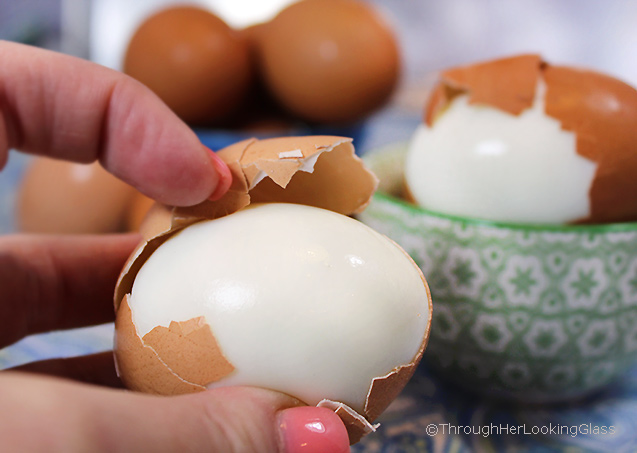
138, 208
69, 198
328, 60
195, 63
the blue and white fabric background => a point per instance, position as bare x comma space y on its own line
434, 35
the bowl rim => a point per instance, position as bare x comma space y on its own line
618, 227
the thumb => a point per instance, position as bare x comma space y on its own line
76, 417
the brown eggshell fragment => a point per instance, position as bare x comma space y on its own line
237, 196
600, 110
338, 181
357, 426
138, 359
190, 350
385, 389
320, 171
508, 84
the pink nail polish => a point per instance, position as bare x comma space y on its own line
225, 177
311, 429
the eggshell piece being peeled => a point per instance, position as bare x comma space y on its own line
328, 61
290, 169
600, 110
321, 171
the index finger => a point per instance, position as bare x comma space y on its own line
68, 108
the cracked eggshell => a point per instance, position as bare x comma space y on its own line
319, 171
337, 314
599, 110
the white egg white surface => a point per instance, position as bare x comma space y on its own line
478, 161
300, 299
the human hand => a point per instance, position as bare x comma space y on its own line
68, 108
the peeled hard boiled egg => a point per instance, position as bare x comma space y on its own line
287, 297
520, 140
260, 289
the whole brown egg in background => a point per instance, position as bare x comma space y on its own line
60, 197
193, 61
328, 61
138, 207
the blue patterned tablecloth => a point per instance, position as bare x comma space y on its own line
431, 415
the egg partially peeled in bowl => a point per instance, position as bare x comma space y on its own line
520, 140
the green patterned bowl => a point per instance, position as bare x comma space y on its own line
522, 312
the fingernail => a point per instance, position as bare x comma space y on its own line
225, 177
311, 429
